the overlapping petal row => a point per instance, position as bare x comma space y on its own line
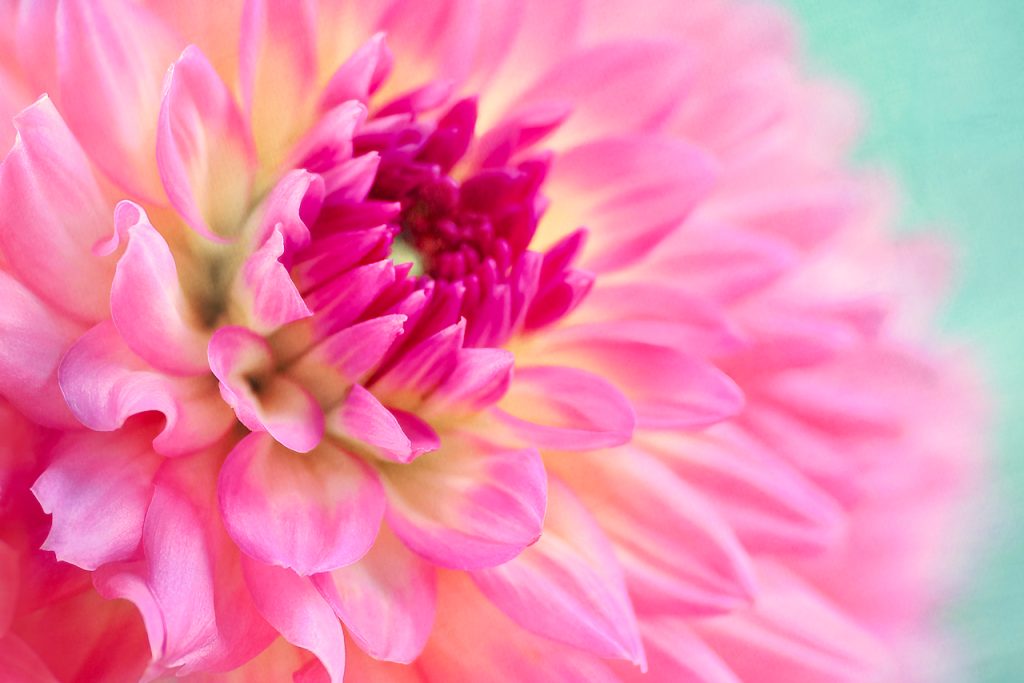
458, 340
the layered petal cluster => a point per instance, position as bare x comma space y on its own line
505, 340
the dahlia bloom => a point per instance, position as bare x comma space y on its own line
507, 340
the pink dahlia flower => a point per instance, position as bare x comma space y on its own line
457, 341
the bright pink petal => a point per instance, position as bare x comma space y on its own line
203, 149
299, 613
470, 505
54, 213
680, 557
104, 383
263, 399
385, 599
568, 586
146, 295
112, 56
98, 487
312, 513
565, 409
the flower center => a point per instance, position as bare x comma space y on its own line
452, 229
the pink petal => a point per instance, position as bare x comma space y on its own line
104, 383
771, 507
385, 599
432, 40
292, 206
19, 663
480, 378
667, 387
362, 417
263, 399
359, 75
54, 213
650, 183
478, 637
269, 295
568, 586
470, 505
33, 339
658, 312
601, 83
293, 606
215, 28
676, 654
311, 513
347, 357
146, 295
112, 55
188, 587
278, 71
680, 557
422, 368
565, 409
203, 150
719, 261
98, 487
797, 636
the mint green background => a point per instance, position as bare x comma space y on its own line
943, 81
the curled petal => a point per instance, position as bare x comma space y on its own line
104, 383
98, 487
311, 513
203, 150
568, 586
386, 600
188, 586
146, 295
470, 505
566, 409
263, 399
